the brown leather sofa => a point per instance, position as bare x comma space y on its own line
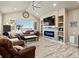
8, 51
27, 33
31, 32
9, 36
19, 42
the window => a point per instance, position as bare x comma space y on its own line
23, 25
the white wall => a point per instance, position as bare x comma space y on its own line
73, 16
1, 23
18, 15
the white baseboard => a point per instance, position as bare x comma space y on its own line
75, 45
53, 40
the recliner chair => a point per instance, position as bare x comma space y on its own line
7, 50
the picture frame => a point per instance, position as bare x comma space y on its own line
73, 23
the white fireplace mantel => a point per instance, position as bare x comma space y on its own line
51, 28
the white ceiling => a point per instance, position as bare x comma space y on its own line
9, 6
46, 6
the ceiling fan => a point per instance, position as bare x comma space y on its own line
34, 6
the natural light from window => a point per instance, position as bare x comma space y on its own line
23, 25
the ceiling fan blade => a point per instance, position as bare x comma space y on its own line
33, 6
37, 7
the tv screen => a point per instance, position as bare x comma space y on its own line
6, 28
50, 20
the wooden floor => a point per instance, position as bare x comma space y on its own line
48, 49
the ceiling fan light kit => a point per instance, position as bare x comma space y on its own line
34, 6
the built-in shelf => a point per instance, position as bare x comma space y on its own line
60, 28
60, 31
60, 35
41, 28
60, 22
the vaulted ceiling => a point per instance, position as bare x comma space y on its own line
45, 6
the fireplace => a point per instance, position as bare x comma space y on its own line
49, 33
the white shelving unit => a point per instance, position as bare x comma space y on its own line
60, 28
61, 25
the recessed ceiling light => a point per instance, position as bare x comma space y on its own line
14, 8
54, 4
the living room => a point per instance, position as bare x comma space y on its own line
39, 29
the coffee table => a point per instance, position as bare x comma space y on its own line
32, 36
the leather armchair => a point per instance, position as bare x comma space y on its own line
8, 51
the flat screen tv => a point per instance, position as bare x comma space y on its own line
50, 20
6, 28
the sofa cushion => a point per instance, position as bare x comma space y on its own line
28, 31
18, 47
14, 39
4, 53
31, 33
5, 37
0, 56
